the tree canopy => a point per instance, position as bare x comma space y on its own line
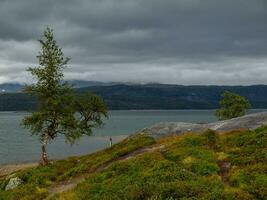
59, 110
232, 105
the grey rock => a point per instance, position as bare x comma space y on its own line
13, 183
247, 122
173, 128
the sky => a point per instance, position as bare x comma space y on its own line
188, 42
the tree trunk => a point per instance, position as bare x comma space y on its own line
44, 159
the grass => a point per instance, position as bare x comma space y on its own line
36, 180
187, 168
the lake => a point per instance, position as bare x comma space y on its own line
16, 144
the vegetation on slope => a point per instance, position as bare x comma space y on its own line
151, 96
188, 168
37, 180
192, 166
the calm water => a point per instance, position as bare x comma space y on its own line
16, 145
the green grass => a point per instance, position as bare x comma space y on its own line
37, 179
187, 168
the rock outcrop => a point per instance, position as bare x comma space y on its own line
248, 122
13, 183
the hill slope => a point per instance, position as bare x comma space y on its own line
151, 96
158, 96
190, 166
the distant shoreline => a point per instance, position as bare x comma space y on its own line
6, 169
23, 164
118, 110
149, 96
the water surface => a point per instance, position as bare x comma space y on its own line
16, 144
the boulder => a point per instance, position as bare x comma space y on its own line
13, 183
173, 128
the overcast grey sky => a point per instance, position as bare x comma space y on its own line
186, 42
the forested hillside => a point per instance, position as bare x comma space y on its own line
151, 96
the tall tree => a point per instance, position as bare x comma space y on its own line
232, 105
59, 110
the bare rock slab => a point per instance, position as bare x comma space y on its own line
247, 122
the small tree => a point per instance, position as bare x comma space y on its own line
232, 105
59, 110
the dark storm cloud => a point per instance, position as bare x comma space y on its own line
170, 41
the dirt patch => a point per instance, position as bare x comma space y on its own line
9, 169
64, 186
224, 170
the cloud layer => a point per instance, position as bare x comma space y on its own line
170, 41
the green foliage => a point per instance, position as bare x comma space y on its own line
90, 108
232, 105
38, 178
247, 148
24, 192
57, 104
92, 162
148, 177
248, 155
186, 168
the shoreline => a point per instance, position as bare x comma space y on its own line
154, 109
9, 168
6, 169
117, 138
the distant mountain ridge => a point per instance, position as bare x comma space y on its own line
17, 87
10, 87
149, 96
161, 96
